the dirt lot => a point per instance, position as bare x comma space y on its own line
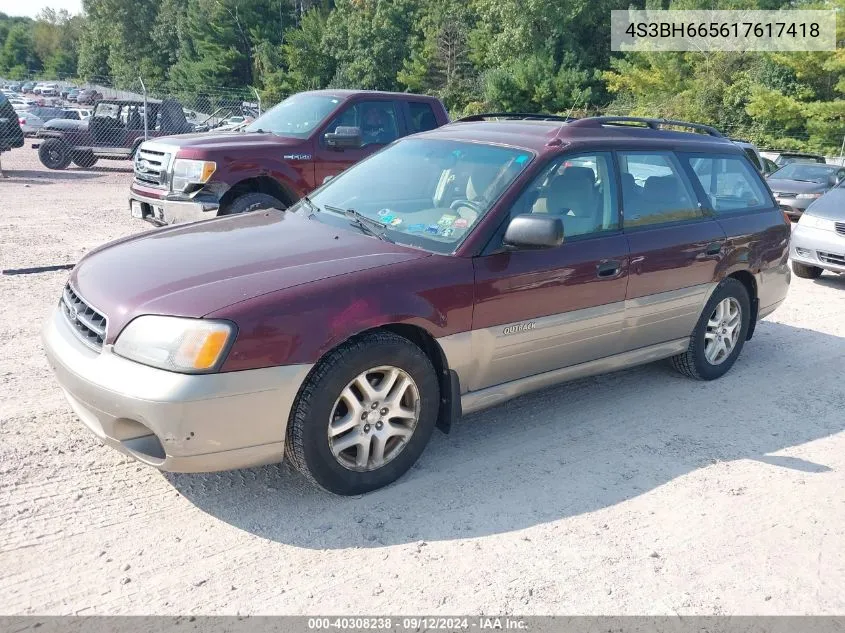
638, 492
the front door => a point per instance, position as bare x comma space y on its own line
541, 310
675, 248
380, 124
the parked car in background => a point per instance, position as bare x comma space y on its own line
66, 90
114, 131
272, 162
798, 184
50, 90
72, 95
21, 103
83, 113
781, 158
450, 272
33, 119
88, 96
27, 86
818, 241
763, 165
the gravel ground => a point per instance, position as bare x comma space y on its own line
639, 492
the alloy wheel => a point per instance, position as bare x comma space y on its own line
723, 328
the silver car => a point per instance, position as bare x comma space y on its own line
818, 241
797, 185
34, 119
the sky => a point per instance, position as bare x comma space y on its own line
32, 7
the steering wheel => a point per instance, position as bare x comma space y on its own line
463, 202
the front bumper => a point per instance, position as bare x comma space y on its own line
174, 422
161, 211
793, 207
818, 247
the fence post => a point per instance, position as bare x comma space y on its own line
258, 98
146, 126
842, 150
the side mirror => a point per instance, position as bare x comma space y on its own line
344, 137
534, 231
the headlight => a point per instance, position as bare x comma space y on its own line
808, 196
816, 223
193, 346
191, 172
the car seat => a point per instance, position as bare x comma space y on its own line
572, 195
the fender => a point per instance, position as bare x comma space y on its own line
235, 170
303, 323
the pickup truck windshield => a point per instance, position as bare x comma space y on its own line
296, 116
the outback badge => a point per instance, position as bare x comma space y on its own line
519, 327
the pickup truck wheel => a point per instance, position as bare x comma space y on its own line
84, 159
719, 335
806, 272
54, 154
253, 202
364, 415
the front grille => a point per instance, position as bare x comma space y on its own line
151, 167
840, 227
832, 258
88, 324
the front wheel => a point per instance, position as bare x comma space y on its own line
364, 415
54, 154
719, 335
806, 272
252, 202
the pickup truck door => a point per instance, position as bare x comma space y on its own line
380, 123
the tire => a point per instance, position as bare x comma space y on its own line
695, 363
253, 202
806, 272
308, 444
84, 159
54, 154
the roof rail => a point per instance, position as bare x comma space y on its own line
654, 124
525, 116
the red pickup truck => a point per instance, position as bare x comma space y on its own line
287, 152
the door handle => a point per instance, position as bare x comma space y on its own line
713, 248
609, 268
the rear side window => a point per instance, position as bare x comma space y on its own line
729, 182
422, 117
752, 156
655, 190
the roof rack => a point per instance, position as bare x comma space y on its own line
654, 124
524, 116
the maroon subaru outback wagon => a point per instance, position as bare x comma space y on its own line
451, 271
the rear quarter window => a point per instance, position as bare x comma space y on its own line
422, 117
731, 184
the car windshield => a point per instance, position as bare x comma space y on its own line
427, 193
805, 171
296, 116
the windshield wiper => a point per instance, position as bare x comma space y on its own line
366, 224
312, 208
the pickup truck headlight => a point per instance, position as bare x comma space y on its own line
193, 346
808, 196
188, 172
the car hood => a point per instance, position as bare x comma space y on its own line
225, 141
795, 186
830, 206
194, 269
66, 125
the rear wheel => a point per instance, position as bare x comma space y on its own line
806, 272
84, 159
54, 154
364, 415
253, 202
719, 335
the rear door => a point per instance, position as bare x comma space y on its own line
381, 123
541, 310
675, 243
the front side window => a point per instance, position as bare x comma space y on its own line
377, 121
580, 190
428, 193
729, 183
655, 190
296, 116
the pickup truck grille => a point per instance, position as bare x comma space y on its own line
151, 167
88, 324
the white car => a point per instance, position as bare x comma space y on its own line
20, 103
84, 113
